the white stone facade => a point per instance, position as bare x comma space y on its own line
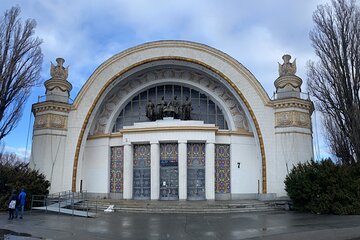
72, 142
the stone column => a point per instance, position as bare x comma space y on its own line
155, 170
182, 169
210, 171
128, 170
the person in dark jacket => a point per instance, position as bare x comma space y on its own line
12, 205
21, 198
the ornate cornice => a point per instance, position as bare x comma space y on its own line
169, 128
294, 103
218, 132
236, 133
50, 106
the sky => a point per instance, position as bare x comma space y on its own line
257, 33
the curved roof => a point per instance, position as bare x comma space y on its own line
169, 44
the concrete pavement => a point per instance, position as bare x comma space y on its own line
257, 225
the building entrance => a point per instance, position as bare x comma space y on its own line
169, 174
196, 171
141, 179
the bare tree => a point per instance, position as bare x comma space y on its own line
335, 79
20, 63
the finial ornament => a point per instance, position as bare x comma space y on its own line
59, 71
287, 68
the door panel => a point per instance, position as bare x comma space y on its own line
141, 177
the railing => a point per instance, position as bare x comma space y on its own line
75, 201
43, 97
291, 94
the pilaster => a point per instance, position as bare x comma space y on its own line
210, 171
128, 170
182, 169
155, 170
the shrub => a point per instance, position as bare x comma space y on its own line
324, 187
18, 175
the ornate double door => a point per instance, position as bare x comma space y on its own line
196, 171
142, 174
169, 173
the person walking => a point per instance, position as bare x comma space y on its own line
21, 199
12, 204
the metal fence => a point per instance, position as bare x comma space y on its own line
67, 202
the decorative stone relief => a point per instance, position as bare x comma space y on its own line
292, 119
41, 121
287, 68
59, 71
50, 121
123, 88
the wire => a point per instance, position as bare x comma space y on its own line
27, 138
317, 147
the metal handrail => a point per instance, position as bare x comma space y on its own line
62, 199
40, 98
291, 94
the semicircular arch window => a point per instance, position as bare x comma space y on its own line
203, 107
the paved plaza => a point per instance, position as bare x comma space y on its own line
260, 225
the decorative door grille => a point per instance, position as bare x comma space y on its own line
116, 169
196, 171
222, 169
169, 175
141, 178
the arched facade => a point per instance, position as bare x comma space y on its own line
224, 148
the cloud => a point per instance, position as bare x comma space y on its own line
86, 33
20, 152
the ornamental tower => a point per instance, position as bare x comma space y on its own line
293, 130
50, 125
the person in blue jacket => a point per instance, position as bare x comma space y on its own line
21, 199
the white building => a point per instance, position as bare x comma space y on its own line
131, 132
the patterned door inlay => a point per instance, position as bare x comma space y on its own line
196, 171
116, 169
169, 175
222, 168
141, 184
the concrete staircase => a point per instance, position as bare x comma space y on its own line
186, 206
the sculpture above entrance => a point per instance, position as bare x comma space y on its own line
171, 109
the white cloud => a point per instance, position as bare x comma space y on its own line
86, 33
20, 152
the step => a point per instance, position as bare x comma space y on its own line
183, 207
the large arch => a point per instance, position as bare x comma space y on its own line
241, 82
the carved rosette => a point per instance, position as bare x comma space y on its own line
122, 90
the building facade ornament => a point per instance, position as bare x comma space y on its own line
287, 68
292, 119
59, 72
287, 84
57, 87
126, 87
50, 121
